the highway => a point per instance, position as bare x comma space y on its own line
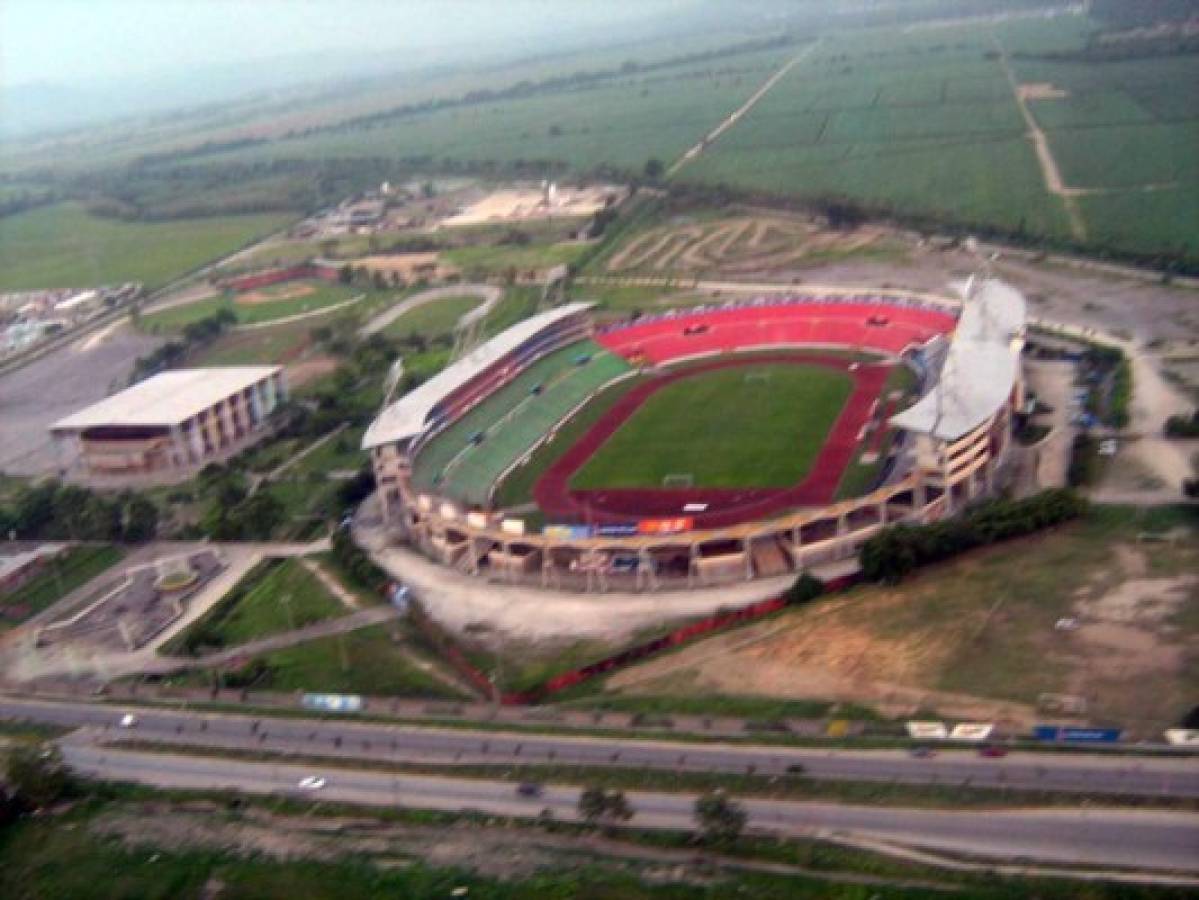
1143, 776
1146, 840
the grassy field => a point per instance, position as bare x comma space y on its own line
74, 567
501, 258
276, 596
432, 319
749, 426
367, 661
65, 246
321, 295
975, 636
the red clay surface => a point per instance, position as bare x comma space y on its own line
725, 506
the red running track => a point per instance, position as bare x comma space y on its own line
745, 327
726, 506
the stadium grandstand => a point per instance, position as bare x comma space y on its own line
397, 435
440, 452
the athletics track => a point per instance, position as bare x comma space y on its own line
725, 506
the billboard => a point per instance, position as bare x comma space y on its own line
1075, 734
971, 731
666, 526
513, 526
332, 702
621, 529
567, 532
927, 730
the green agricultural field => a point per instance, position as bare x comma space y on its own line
749, 426
319, 295
65, 246
432, 319
275, 597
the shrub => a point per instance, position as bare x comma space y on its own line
895, 551
806, 587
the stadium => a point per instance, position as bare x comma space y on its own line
700, 446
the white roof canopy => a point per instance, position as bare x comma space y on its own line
980, 368
408, 416
169, 398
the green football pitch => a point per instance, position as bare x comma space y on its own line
747, 426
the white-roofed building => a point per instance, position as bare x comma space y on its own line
962, 424
165, 428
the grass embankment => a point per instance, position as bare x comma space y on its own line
276, 596
748, 426
380, 661
981, 628
65, 246
61, 575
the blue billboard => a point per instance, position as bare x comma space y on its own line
1078, 735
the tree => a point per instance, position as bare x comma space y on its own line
140, 520
720, 819
604, 808
654, 168
37, 774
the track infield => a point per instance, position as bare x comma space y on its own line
749, 452
756, 425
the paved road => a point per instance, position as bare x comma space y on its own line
1144, 839
488, 293
1068, 772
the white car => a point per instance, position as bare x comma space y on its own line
129, 720
311, 783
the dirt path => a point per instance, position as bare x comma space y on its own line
489, 294
332, 585
744, 108
1049, 170
300, 317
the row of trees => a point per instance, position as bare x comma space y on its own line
720, 819
196, 335
64, 512
899, 549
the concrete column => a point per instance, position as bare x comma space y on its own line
197, 440
256, 404
747, 548
882, 513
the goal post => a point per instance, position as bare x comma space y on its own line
678, 480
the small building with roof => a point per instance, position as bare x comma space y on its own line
166, 428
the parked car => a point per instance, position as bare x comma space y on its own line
311, 783
129, 720
990, 750
922, 752
528, 789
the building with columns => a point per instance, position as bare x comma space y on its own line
164, 429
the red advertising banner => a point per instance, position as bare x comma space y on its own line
666, 526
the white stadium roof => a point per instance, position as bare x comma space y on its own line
980, 367
407, 417
168, 398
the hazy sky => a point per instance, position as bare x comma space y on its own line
80, 41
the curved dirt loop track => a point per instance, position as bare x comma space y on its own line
744, 244
726, 506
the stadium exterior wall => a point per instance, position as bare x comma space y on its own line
946, 475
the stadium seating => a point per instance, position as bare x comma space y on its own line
869, 322
464, 461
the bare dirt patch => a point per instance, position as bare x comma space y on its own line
305, 370
1041, 90
256, 832
285, 292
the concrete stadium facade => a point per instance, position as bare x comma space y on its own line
956, 441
